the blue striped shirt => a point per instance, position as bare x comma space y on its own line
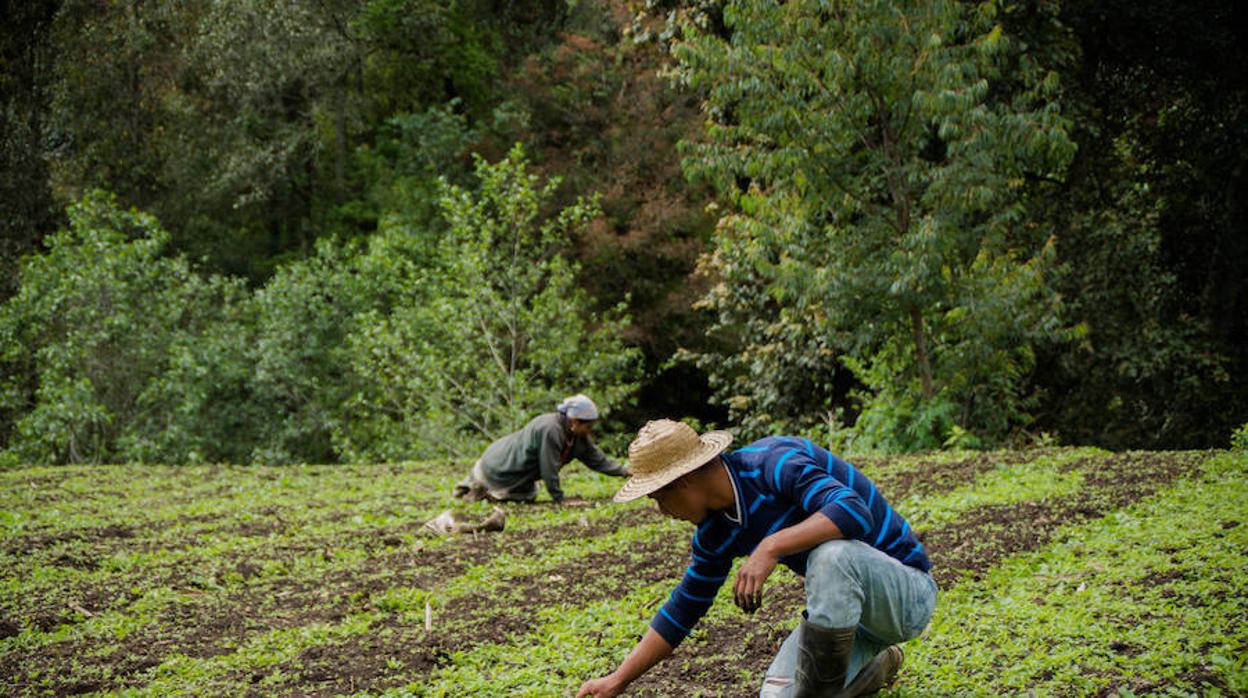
781, 481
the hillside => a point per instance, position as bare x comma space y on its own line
1067, 572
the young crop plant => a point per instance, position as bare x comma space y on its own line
216, 580
1049, 476
1131, 603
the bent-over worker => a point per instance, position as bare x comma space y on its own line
510, 468
782, 500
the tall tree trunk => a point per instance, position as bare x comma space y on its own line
919, 335
340, 140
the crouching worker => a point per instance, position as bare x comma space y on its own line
782, 500
510, 468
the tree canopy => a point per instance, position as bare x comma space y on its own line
876, 168
384, 229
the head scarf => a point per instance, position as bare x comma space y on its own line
579, 407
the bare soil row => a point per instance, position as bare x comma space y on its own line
212, 622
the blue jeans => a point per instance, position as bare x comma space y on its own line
849, 583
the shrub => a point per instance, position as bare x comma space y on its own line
1239, 438
496, 331
114, 352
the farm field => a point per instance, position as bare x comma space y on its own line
1063, 572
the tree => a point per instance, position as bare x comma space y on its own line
313, 311
1154, 243
497, 331
113, 352
301, 374
27, 211
235, 122
876, 158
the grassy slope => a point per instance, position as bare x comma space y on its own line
202, 581
1150, 599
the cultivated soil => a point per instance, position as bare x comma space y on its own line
236, 595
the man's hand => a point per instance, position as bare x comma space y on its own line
748, 590
574, 502
605, 687
816, 529
649, 651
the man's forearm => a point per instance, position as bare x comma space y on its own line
816, 529
649, 651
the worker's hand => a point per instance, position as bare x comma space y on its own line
574, 502
748, 591
605, 687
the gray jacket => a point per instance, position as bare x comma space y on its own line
540, 450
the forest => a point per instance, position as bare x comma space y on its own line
329, 231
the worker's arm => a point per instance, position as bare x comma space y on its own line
649, 651
833, 511
588, 453
816, 529
549, 462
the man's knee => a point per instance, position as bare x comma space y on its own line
834, 558
834, 593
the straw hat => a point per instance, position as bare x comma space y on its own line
663, 451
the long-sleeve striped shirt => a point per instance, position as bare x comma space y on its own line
780, 481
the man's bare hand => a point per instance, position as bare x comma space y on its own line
604, 687
748, 590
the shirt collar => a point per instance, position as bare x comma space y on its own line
738, 517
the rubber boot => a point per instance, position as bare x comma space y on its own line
822, 660
879, 673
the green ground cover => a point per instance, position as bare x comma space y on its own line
1063, 572
1150, 599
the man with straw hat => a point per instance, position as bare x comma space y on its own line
782, 500
510, 468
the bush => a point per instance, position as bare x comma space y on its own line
113, 352
1239, 438
495, 332
301, 372
425, 343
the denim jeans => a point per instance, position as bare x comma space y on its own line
849, 583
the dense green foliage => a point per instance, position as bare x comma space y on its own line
27, 209
113, 352
1151, 218
877, 187
919, 224
493, 332
238, 119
